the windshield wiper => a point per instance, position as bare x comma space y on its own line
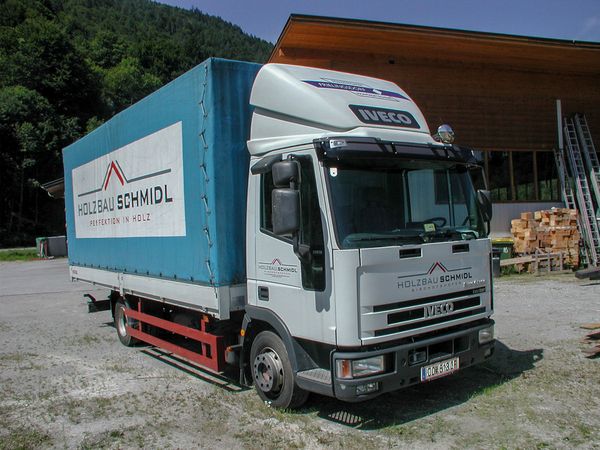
447, 233
386, 237
390, 238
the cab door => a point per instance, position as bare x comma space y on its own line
298, 292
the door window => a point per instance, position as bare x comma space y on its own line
311, 227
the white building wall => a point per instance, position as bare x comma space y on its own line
503, 213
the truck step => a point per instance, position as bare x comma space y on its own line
318, 375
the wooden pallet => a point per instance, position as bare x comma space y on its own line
539, 263
551, 231
591, 338
592, 352
518, 260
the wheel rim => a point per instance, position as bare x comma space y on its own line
121, 322
268, 372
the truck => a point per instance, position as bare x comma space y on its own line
300, 228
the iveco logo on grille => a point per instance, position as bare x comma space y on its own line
438, 310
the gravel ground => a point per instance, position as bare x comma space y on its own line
66, 381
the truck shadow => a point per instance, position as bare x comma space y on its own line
395, 408
226, 380
423, 400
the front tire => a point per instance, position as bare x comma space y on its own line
121, 320
272, 373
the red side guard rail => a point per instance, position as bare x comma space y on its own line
210, 354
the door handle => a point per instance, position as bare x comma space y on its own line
263, 293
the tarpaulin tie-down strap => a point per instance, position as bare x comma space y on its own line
206, 179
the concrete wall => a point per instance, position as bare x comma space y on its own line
503, 213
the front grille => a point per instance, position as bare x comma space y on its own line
430, 322
419, 313
415, 316
426, 300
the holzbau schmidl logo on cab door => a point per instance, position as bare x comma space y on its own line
134, 191
277, 269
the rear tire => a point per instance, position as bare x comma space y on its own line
120, 321
272, 373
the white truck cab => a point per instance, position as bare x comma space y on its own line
366, 239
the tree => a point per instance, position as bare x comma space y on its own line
127, 82
27, 131
66, 66
107, 49
38, 54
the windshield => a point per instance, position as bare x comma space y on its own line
380, 203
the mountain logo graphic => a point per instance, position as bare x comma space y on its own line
115, 168
437, 265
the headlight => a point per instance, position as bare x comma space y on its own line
357, 368
486, 335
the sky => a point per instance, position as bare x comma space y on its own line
560, 19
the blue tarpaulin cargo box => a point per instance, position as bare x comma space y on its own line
160, 189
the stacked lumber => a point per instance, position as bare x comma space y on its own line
551, 231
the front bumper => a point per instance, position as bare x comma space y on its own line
463, 344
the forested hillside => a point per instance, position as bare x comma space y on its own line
68, 65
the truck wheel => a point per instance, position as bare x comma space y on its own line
120, 321
272, 373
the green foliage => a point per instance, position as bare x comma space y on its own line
106, 49
66, 66
92, 124
38, 54
127, 82
24, 254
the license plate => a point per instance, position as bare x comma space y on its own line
439, 369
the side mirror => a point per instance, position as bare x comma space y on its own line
285, 204
484, 198
286, 172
